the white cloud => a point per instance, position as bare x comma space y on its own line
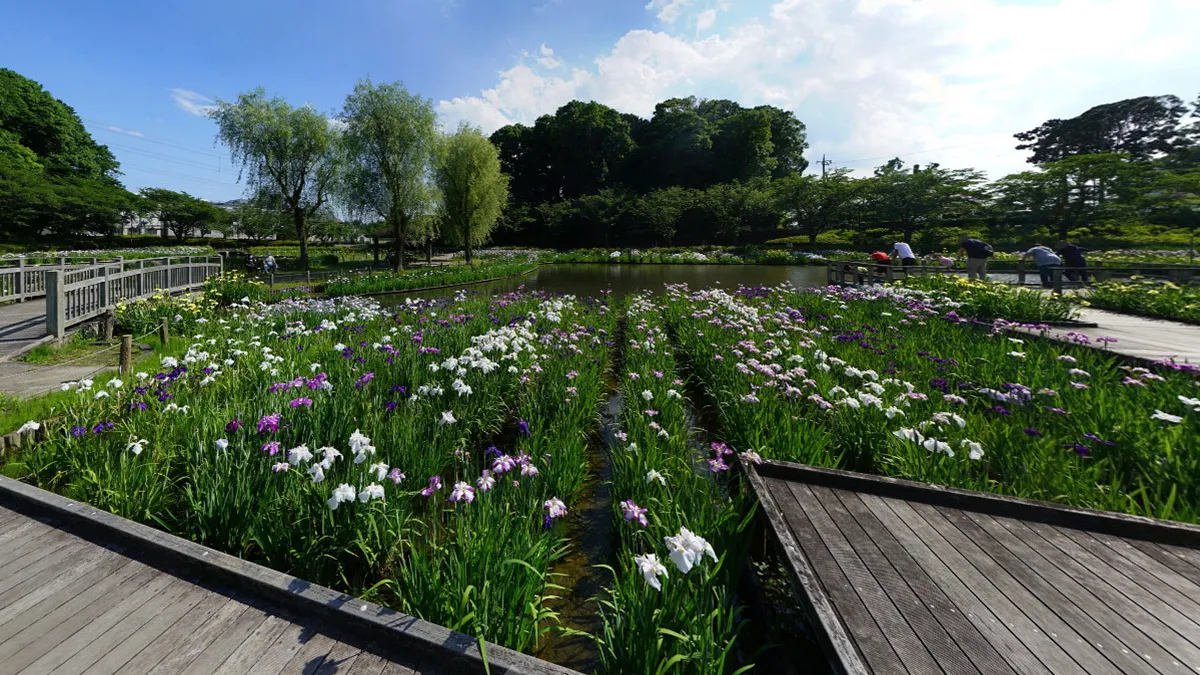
668, 10
931, 80
127, 132
706, 19
191, 102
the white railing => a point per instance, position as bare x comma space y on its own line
21, 281
76, 295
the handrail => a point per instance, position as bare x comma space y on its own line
74, 296
842, 272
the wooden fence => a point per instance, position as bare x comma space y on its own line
1019, 273
76, 295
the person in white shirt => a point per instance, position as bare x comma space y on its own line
905, 253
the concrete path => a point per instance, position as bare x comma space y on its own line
22, 325
1152, 339
26, 379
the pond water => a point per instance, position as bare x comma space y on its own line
591, 279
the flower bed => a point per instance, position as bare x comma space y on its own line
873, 385
1162, 300
423, 460
361, 284
986, 300
671, 603
715, 256
52, 257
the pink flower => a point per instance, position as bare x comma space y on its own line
435, 484
462, 492
632, 511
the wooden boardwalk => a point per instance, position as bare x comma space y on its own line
75, 598
1140, 337
906, 578
22, 325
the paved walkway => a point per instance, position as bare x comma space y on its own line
1137, 336
22, 324
27, 379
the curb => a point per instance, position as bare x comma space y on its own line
453, 652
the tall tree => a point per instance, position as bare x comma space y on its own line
391, 137
474, 190
819, 204
181, 213
910, 201
1143, 128
291, 151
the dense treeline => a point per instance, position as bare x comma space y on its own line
713, 172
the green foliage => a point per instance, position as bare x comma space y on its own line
391, 138
1162, 300
987, 300
474, 190
1144, 127
290, 153
181, 212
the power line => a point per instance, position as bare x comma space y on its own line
177, 175
167, 158
104, 126
915, 152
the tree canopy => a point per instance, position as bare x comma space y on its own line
391, 137
474, 190
53, 176
292, 152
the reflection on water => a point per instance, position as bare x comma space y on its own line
591, 279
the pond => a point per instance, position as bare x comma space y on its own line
591, 279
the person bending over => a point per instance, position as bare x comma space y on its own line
1046, 260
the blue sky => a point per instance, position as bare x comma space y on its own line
931, 80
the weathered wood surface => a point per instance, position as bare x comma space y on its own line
905, 578
1137, 336
68, 605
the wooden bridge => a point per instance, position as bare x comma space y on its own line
83, 591
47, 300
901, 577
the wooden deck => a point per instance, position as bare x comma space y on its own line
87, 592
901, 577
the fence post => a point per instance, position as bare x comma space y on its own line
56, 306
271, 283
141, 274
126, 354
164, 331
189, 269
20, 289
1020, 272
103, 272
168, 259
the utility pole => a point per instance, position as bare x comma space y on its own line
824, 163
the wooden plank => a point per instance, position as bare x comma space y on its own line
19, 529
254, 647
311, 655
910, 651
180, 655
175, 638
290, 641
43, 586
1076, 610
1169, 558
1169, 594
58, 641
1191, 555
832, 634
1146, 598
14, 580
370, 663
973, 596
1151, 564
939, 644
107, 645
341, 659
32, 540
1017, 607
45, 613
957, 630
866, 634
127, 642
223, 644
1112, 613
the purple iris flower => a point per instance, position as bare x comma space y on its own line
233, 426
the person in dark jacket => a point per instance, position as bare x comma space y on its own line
978, 253
1072, 256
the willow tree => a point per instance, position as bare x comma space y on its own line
391, 137
474, 189
290, 152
